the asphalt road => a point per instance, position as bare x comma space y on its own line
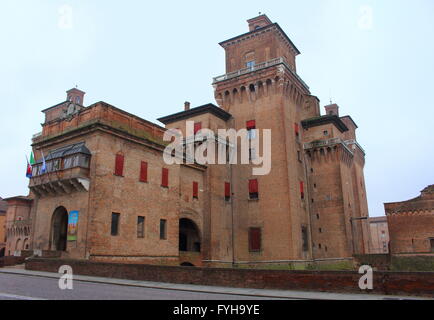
23, 287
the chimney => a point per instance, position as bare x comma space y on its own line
332, 109
186, 105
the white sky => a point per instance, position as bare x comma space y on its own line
148, 57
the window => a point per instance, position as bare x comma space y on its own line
431, 241
326, 133
250, 64
251, 129
140, 227
253, 189
317, 216
115, 224
320, 230
77, 99
254, 239
302, 190
304, 238
165, 178
163, 232
227, 191
56, 164
296, 130
299, 156
195, 190
143, 171
197, 127
119, 165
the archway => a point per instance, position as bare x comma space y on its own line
26, 244
189, 236
18, 245
59, 229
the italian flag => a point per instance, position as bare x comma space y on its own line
29, 165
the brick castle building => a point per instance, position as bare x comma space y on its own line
411, 224
108, 195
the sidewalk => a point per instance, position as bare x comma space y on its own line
281, 294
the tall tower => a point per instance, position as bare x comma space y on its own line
313, 202
261, 89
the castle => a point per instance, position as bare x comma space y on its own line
106, 166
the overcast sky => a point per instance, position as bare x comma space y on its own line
374, 58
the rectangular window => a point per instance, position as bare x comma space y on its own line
251, 126
115, 224
140, 227
250, 64
227, 191
254, 239
299, 156
195, 190
431, 241
163, 232
296, 129
165, 178
197, 127
143, 171
302, 189
304, 238
119, 165
253, 189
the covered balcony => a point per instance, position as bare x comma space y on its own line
66, 171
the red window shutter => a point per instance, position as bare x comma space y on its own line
165, 178
253, 186
251, 124
227, 190
119, 165
144, 171
197, 127
255, 239
195, 189
296, 129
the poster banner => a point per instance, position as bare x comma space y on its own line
72, 225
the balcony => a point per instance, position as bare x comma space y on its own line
326, 143
61, 182
257, 67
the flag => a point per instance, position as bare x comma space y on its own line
32, 159
44, 165
29, 169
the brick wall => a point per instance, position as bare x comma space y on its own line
398, 283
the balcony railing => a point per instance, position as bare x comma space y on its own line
257, 67
61, 182
326, 143
355, 143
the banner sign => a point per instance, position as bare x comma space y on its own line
72, 225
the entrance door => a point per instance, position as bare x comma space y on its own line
59, 229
